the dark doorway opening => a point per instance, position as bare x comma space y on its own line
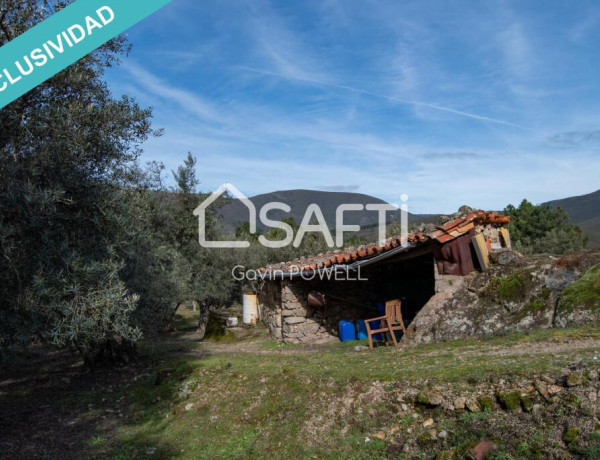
411, 280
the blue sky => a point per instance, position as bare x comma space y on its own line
451, 102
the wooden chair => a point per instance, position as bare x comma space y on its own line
391, 322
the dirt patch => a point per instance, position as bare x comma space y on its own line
52, 406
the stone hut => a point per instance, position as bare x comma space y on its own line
348, 284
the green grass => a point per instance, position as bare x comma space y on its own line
389, 365
468, 417
295, 403
512, 287
407, 420
186, 319
584, 292
97, 441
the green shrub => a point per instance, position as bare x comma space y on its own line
512, 287
486, 403
510, 401
571, 436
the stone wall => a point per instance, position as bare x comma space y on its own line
447, 284
270, 308
300, 322
345, 300
285, 311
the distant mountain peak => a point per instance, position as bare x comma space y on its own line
584, 210
235, 213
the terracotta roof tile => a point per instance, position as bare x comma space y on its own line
447, 232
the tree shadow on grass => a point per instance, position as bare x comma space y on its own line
52, 406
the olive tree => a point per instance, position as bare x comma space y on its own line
68, 151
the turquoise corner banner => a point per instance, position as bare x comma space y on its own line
64, 38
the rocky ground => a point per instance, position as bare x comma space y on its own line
517, 293
541, 416
523, 395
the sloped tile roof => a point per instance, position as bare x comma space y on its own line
443, 234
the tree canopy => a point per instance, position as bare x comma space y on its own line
543, 229
82, 252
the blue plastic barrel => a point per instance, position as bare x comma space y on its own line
347, 331
381, 308
361, 330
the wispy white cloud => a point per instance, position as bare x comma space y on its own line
584, 26
168, 92
398, 100
286, 51
395, 98
517, 50
405, 76
576, 139
408, 167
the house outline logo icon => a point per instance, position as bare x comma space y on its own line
200, 212
312, 212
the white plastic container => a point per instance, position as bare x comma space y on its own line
232, 321
250, 309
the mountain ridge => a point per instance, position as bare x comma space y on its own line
584, 210
235, 213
